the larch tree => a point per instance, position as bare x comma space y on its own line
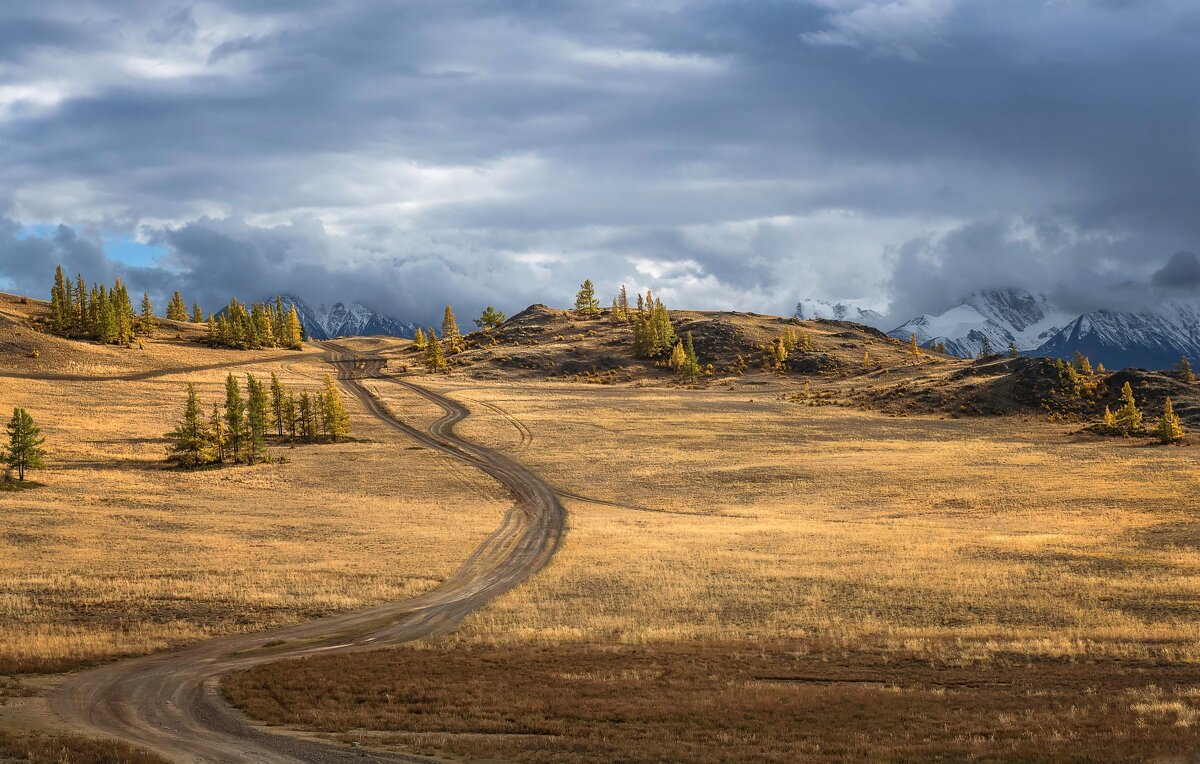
1129, 417
293, 332
177, 308
235, 418
146, 321
335, 421
197, 315
291, 413
60, 303
216, 434
435, 357
586, 304
623, 303
308, 428
985, 347
25, 441
451, 336
278, 401
1168, 428
490, 318
690, 369
1183, 370
419, 340
190, 440
257, 407
914, 350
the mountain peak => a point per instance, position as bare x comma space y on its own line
343, 319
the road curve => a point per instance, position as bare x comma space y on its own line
170, 703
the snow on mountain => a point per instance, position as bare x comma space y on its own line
346, 320
809, 309
1003, 316
1153, 339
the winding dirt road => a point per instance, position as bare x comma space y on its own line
170, 702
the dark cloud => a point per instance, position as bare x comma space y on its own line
726, 153
1182, 273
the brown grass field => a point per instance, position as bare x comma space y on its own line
745, 576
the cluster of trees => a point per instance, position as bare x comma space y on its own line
262, 325
106, 314
438, 350
238, 432
1078, 380
24, 450
1129, 420
776, 354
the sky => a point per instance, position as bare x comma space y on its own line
729, 154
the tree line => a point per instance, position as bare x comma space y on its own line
262, 325
106, 314
238, 431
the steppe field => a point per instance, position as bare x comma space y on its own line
757, 568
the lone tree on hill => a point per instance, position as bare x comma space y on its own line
177, 308
1129, 417
914, 350
586, 303
1168, 428
490, 318
25, 450
451, 336
1183, 370
190, 440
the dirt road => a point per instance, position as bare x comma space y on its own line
170, 702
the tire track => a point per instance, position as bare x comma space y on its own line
171, 703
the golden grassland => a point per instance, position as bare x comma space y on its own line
118, 554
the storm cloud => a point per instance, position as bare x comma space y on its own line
726, 154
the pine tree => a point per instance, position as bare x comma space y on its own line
677, 358
308, 428
177, 308
197, 316
586, 304
690, 369
335, 421
81, 325
212, 336
623, 303
914, 350
1012, 350
146, 321
419, 339
1168, 428
451, 337
1082, 364
1184, 371
490, 318
122, 309
1109, 424
216, 434
291, 413
435, 357
985, 347
278, 399
293, 332
60, 303
641, 305
25, 450
235, 418
257, 407
1129, 418
190, 440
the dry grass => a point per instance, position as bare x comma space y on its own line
41, 749
119, 555
770, 520
729, 703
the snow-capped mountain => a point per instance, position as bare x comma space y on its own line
1151, 339
1004, 316
346, 320
809, 309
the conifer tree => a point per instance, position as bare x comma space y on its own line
190, 440
335, 421
419, 339
623, 303
914, 350
177, 308
1168, 428
293, 332
257, 406
278, 400
641, 305
1129, 418
677, 358
216, 434
82, 326
985, 347
867, 365
122, 310
586, 304
690, 369
60, 303
197, 316
212, 335
25, 450
435, 357
308, 428
1109, 423
235, 418
451, 337
1012, 350
291, 414
1184, 371
146, 321
490, 318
